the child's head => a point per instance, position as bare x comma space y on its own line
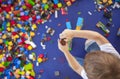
102, 65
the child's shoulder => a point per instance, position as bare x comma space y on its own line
108, 47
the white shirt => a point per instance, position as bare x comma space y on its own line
106, 48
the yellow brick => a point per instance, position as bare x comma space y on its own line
19, 26
18, 18
110, 2
30, 48
10, 43
8, 29
1, 65
1, 41
4, 36
68, 3
32, 34
12, 29
78, 28
44, 1
7, 16
9, 48
16, 36
40, 60
59, 5
20, 33
34, 26
1, 56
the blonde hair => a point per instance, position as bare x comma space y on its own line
102, 65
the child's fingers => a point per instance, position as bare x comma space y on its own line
58, 41
66, 40
59, 44
61, 36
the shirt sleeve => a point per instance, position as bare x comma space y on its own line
109, 48
84, 74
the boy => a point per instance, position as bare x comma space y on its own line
103, 61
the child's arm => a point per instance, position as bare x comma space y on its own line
87, 34
71, 60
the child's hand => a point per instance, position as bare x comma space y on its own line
68, 34
63, 48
